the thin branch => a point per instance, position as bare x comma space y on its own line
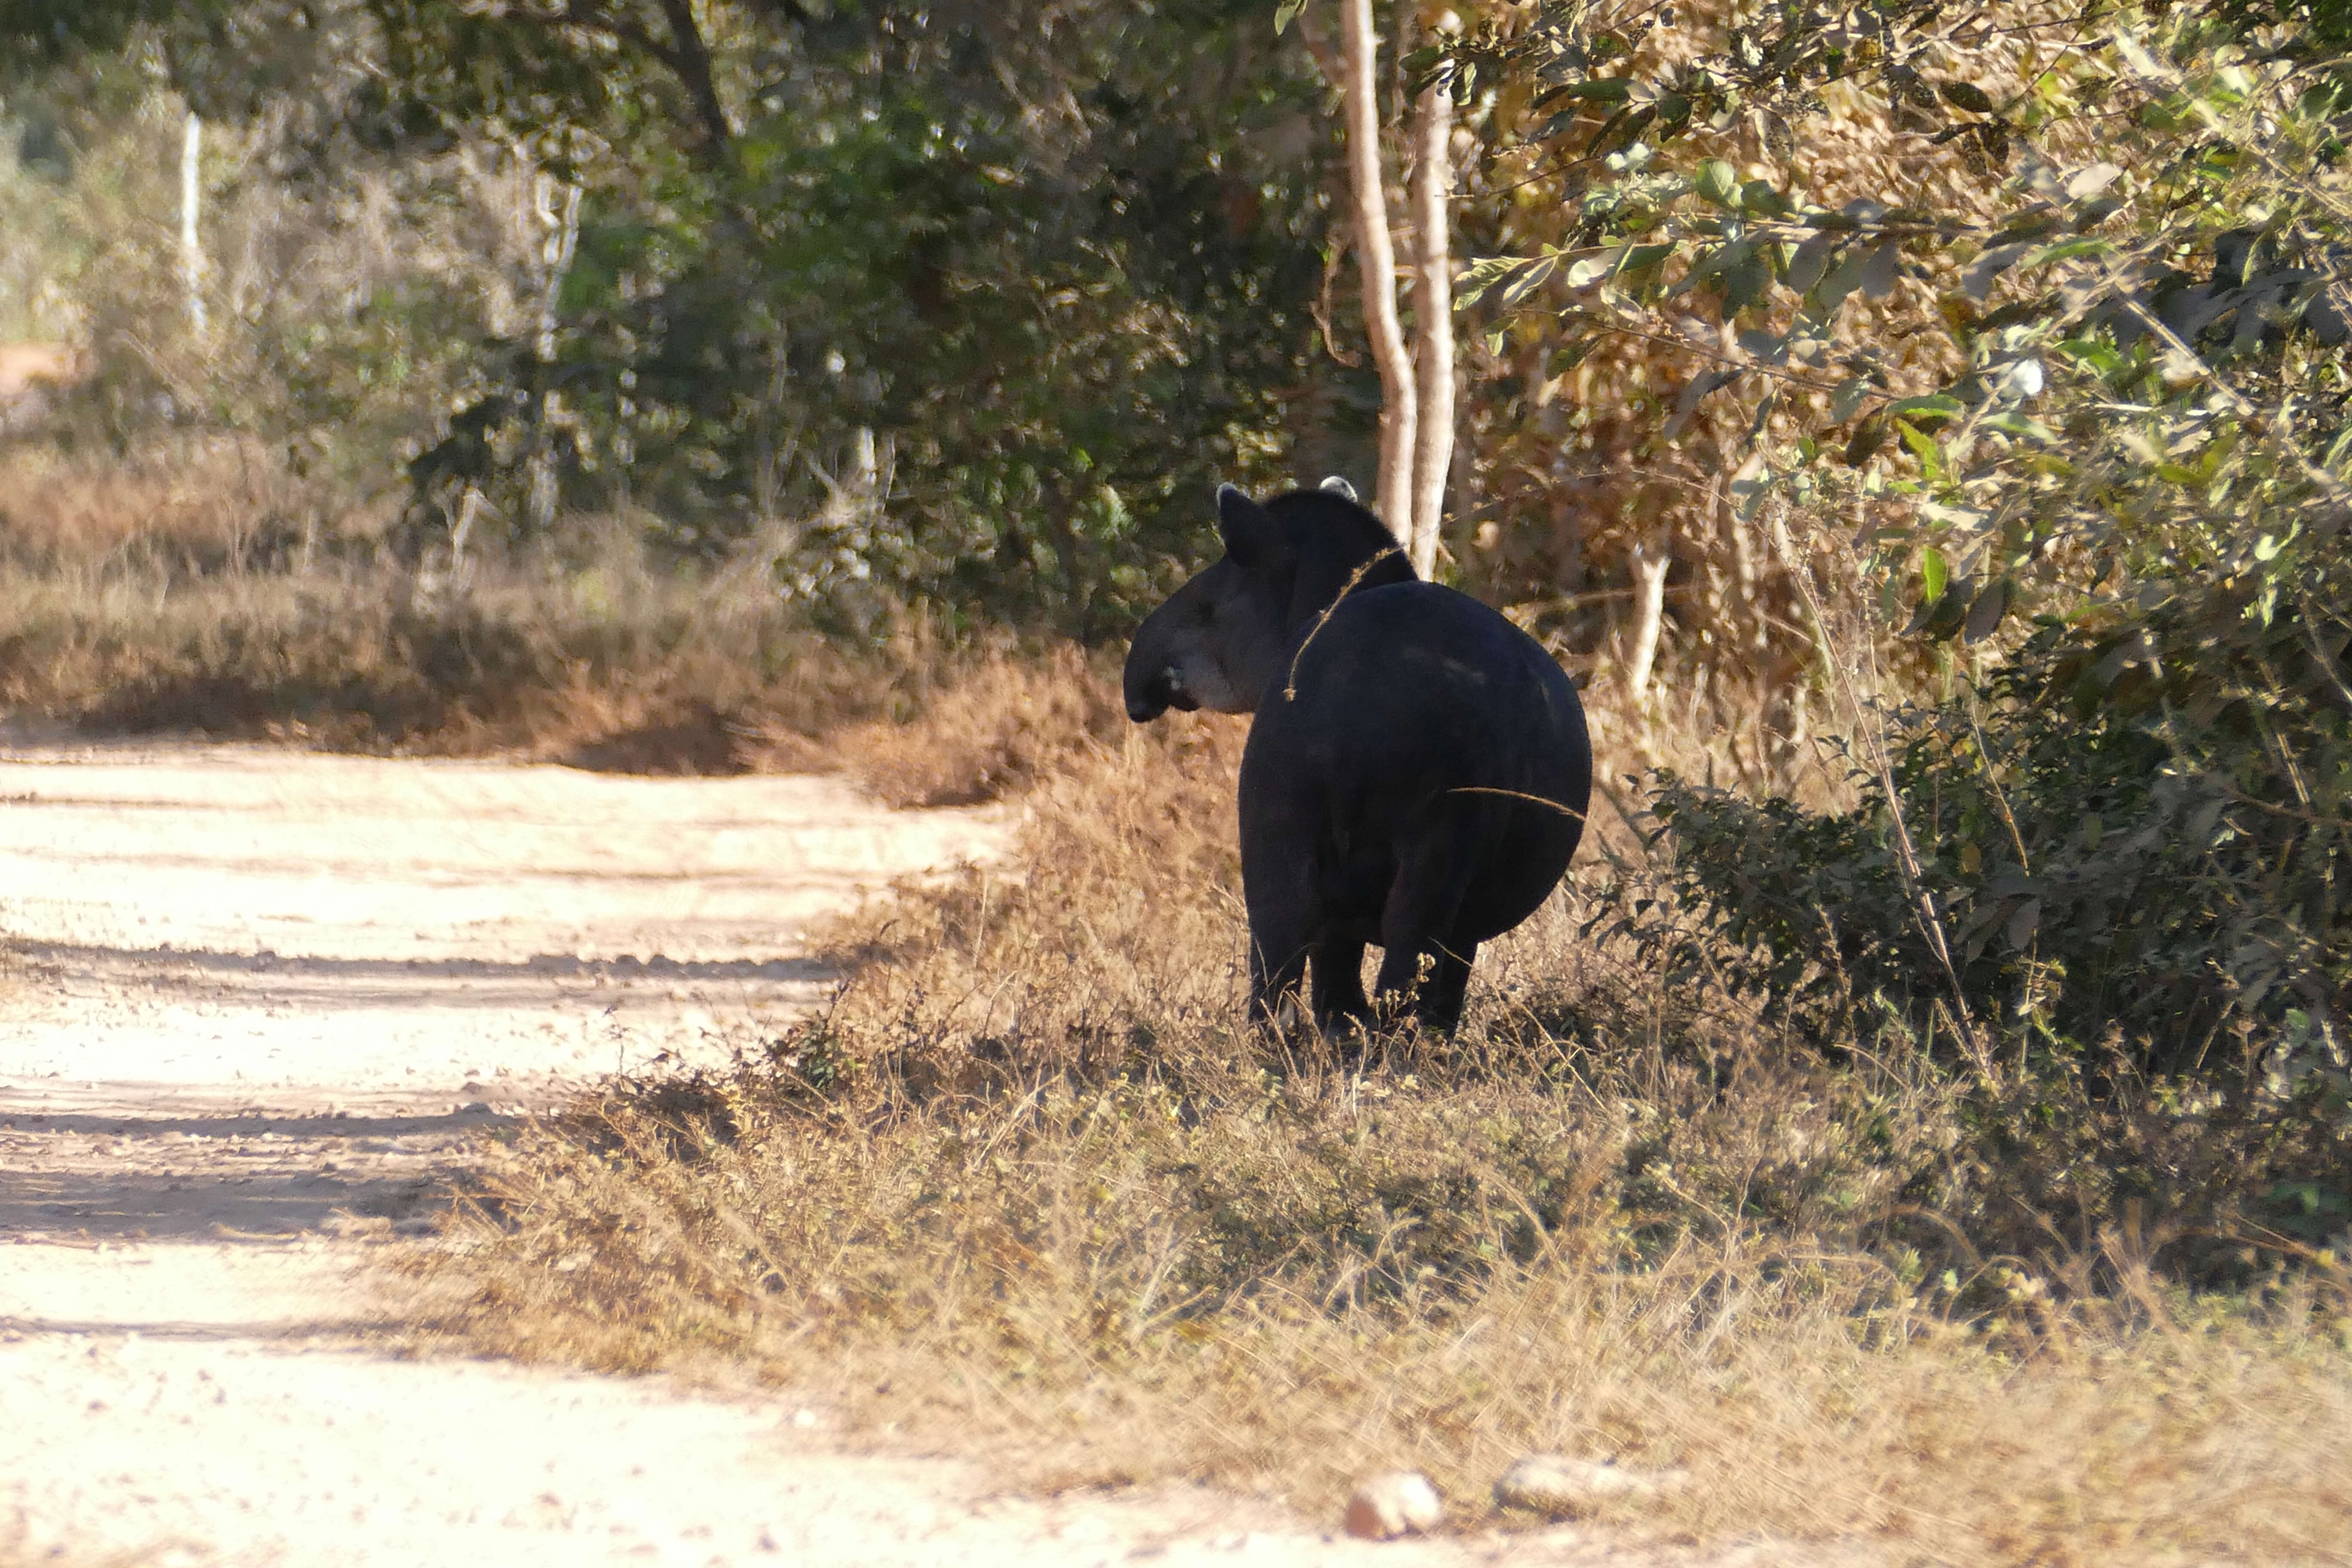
1719, 357
692, 64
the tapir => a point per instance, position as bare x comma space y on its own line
1417, 769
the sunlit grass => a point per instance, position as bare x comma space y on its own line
1028, 1190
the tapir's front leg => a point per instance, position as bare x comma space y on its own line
1280, 892
1277, 965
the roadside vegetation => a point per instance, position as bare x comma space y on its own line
1927, 1116
1026, 1188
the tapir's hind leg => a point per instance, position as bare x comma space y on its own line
1433, 874
1339, 1000
1442, 992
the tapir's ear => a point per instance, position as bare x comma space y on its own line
1338, 486
1251, 535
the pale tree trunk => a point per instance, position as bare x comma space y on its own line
1649, 566
1359, 49
556, 206
1432, 184
192, 252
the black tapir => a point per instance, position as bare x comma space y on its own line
1418, 770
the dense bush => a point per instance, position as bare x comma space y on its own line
2124, 826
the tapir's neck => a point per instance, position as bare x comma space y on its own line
1321, 585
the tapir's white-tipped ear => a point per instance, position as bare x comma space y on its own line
1340, 487
1250, 532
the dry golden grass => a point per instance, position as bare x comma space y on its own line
143, 598
189, 506
1028, 1189
996, 726
370, 659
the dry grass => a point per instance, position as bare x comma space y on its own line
1029, 1190
145, 596
182, 507
373, 659
995, 727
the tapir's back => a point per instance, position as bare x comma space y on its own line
1413, 705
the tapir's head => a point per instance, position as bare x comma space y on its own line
1219, 641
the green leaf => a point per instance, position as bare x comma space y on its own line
1880, 272
1473, 282
1285, 13
1984, 615
1529, 279
1599, 88
1593, 269
2091, 353
1719, 182
1923, 447
2066, 250
1646, 257
1747, 274
1805, 267
1934, 405
1867, 439
2024, 426
1848, 397
1967, 95
1935, 575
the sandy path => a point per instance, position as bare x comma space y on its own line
261, 1005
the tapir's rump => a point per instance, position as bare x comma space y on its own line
1417, 772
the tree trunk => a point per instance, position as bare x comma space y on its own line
192, 250
1359, 49
560, 219
1432, 183
1651, 563
689, 58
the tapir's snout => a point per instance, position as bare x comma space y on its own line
1156, 692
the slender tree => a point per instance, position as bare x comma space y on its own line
1417, 391
1432, 187
191, 249
1359, 50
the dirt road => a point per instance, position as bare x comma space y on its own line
261, 1005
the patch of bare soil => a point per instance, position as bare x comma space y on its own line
262, 1008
